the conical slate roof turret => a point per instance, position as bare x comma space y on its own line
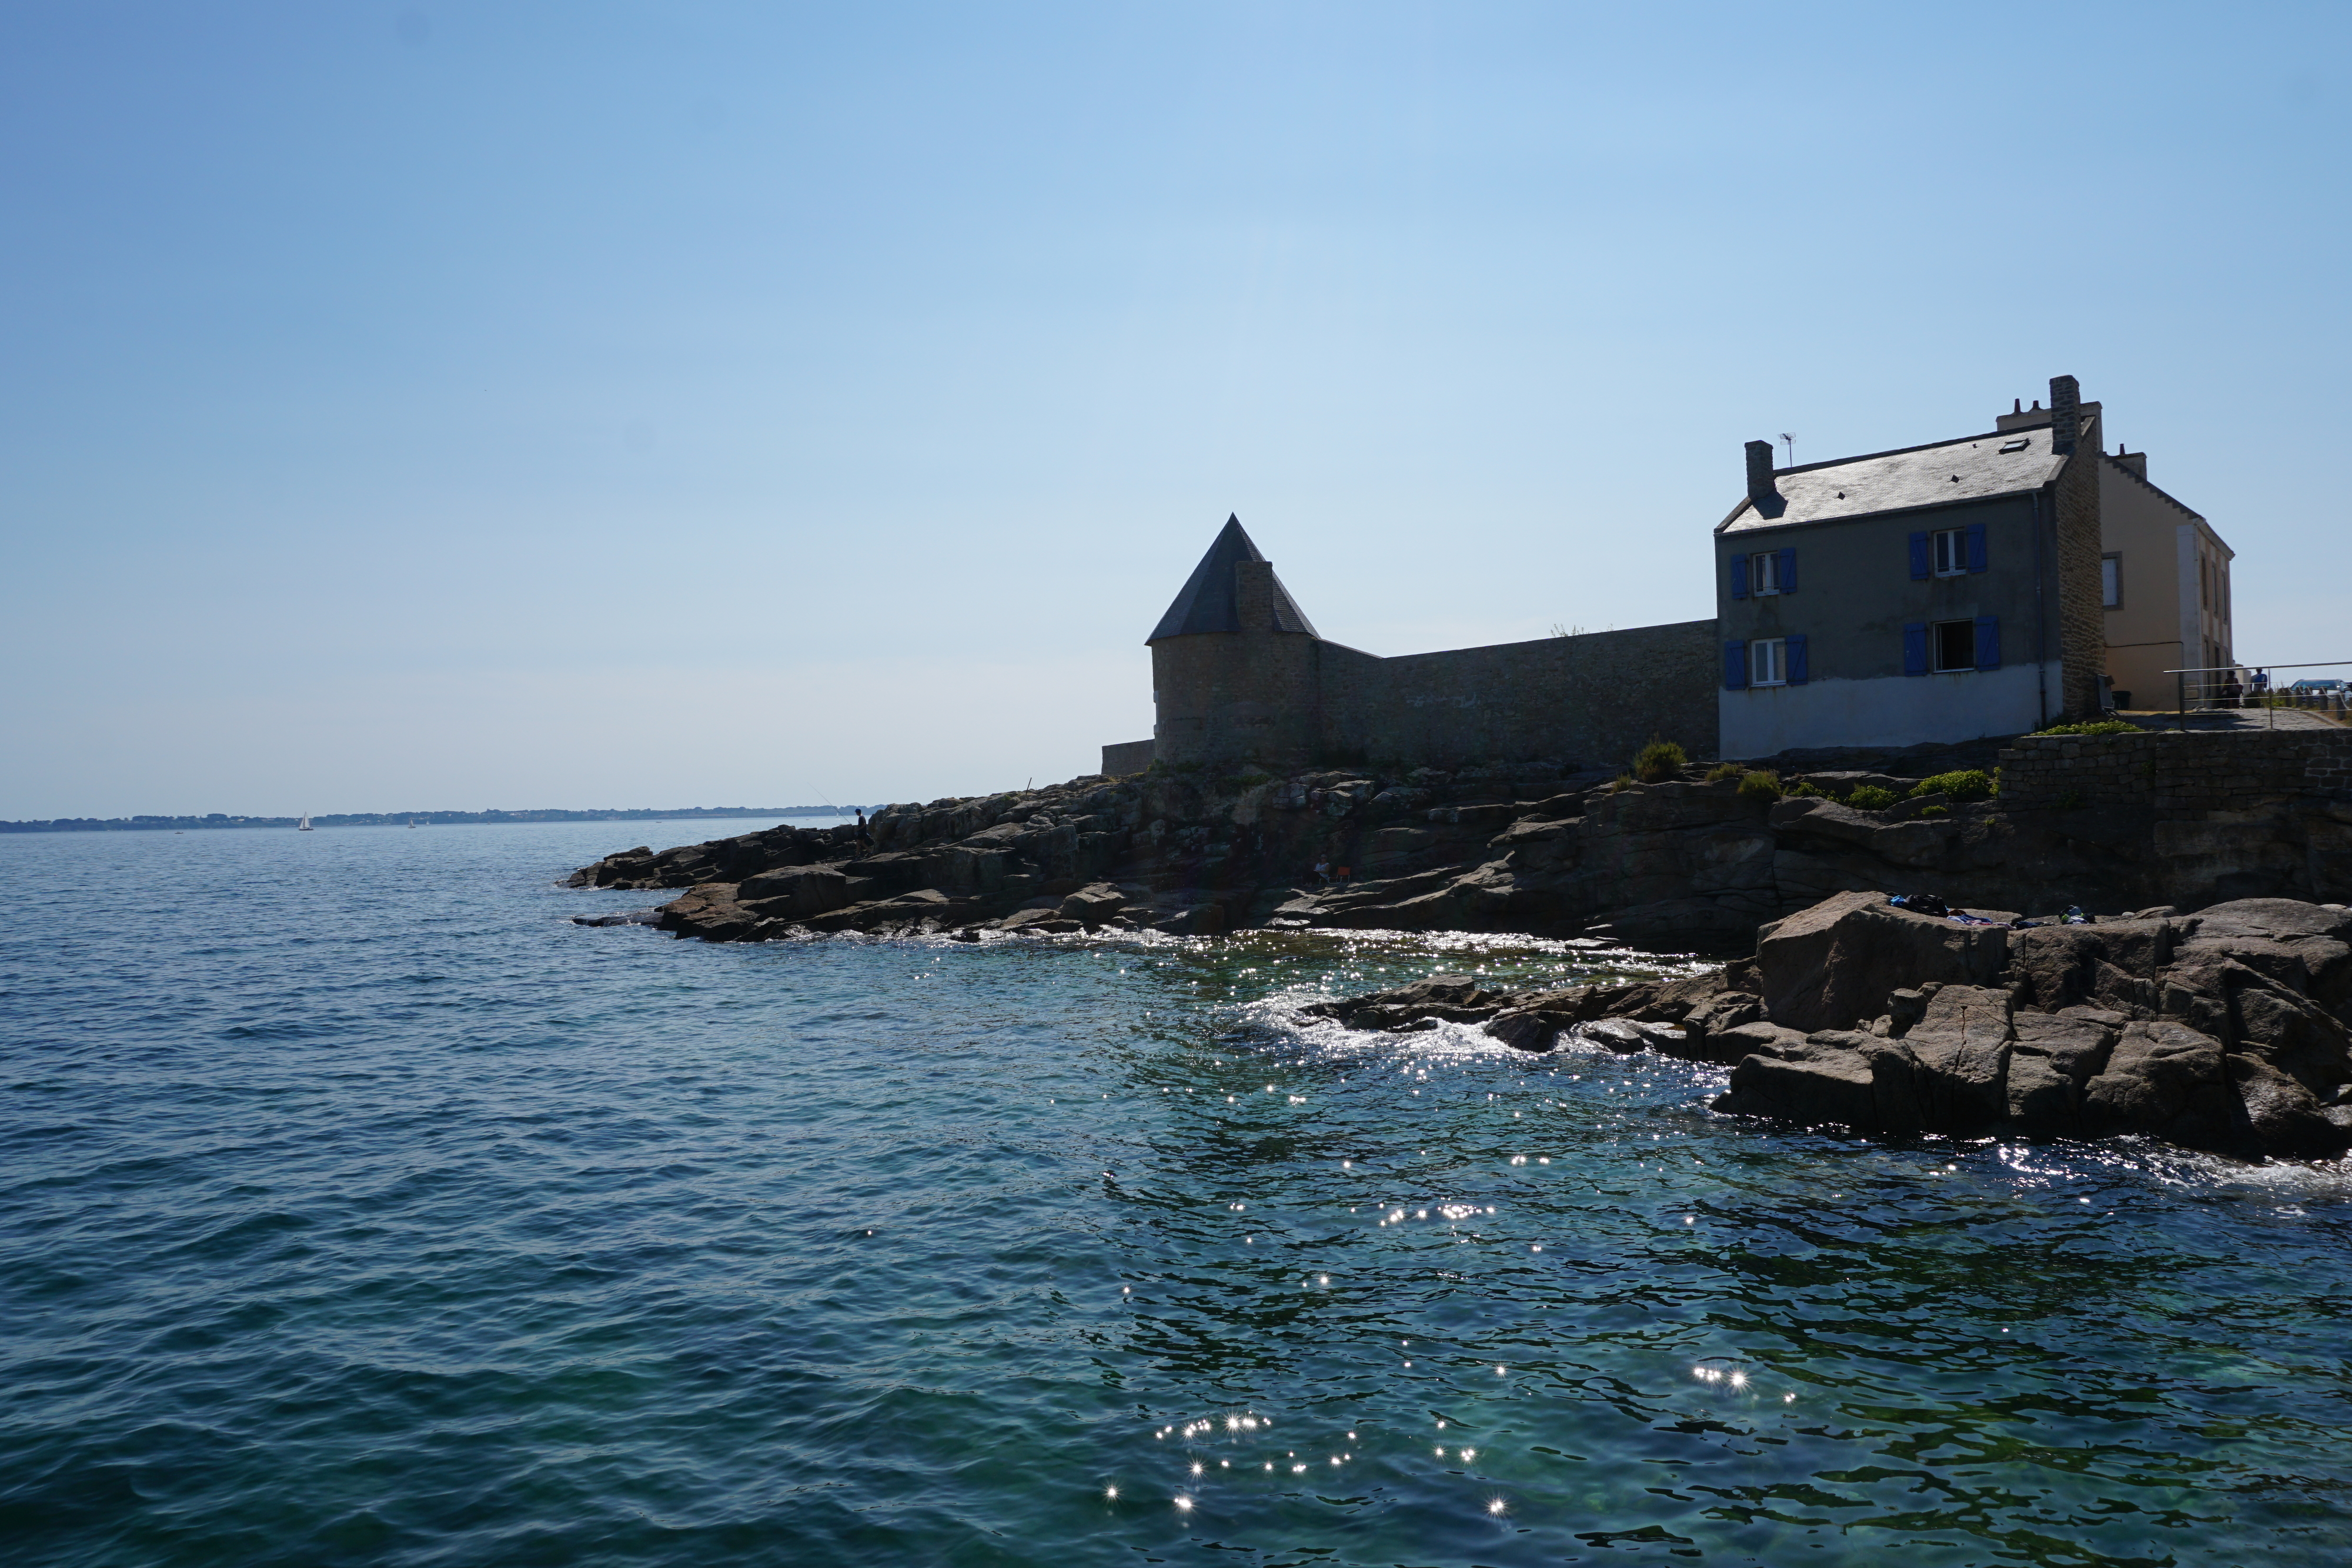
1208, 604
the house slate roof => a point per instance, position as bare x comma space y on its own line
1972, 469
1207, 604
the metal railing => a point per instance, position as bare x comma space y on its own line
2254, 686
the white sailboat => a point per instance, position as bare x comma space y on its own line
304, 825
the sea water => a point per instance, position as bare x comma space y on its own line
358, 1207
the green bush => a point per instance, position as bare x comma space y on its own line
1659, 761
1870, 798
1623, 782
1761, 785
2103, 727
1804, 787
1723, 770
1968, 784
1934, 810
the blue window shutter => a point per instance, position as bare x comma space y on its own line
1735, 665
1976, 547
1919, 558
1915, 647
1796, 658
1739, 577
1988, 641
1788, 571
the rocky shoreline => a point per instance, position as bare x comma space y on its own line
2225, 1029
1686, 863
2222, 1028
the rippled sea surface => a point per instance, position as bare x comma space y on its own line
358, 1209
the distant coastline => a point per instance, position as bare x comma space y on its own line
401, 819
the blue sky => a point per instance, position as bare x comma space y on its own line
573, 404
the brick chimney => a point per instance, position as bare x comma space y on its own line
2065, 414
1760, 488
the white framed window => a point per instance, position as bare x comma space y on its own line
2111, 581
1951, 547
1768, 662
1764, 573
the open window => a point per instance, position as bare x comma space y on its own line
1955, 643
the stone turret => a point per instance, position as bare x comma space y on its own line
1234, 663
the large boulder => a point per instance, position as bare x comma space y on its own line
1832, 966
2164, 1079
2053, 1056
711, 911
2268, 933
2058, 967
1093, 905
794, 892
1837, 1078
1961, 1051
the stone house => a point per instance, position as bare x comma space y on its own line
1979, 586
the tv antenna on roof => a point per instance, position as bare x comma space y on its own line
1790, 441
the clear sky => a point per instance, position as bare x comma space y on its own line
574, 405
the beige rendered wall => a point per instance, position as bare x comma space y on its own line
2176, 587
2144, 633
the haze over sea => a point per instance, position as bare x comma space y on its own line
358, 1209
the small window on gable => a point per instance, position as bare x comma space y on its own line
2020, 445
2111, 581
1764, 573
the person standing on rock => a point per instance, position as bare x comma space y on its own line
1323, 873
864, 838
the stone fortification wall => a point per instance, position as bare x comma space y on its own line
1594, 700
1125, 756
2176, 777
1285, 699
